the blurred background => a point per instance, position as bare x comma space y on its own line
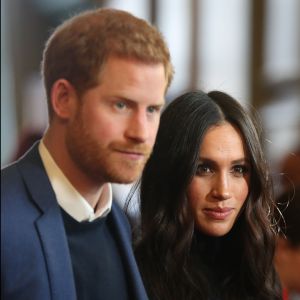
248, 48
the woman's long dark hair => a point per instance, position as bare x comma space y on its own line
163, 250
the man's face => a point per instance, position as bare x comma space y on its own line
113, 130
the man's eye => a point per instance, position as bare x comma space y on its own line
120, 105
153, 109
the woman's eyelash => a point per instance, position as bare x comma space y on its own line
241, 169
203, 169
238, 170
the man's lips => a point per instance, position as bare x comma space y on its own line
132, 154
218, 213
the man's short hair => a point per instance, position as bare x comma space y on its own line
79, 47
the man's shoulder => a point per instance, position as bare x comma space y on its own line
10, 175
12, 169
13, 176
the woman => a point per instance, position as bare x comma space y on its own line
206, 205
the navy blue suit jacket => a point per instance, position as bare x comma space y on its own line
35, 258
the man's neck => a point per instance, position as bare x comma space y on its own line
89, 189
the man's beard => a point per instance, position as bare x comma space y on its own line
102, 163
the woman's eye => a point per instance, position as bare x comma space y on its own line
240, 170
203, 170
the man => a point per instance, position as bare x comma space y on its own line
105, 73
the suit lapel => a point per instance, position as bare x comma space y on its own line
51, 231
50, 227
124, 242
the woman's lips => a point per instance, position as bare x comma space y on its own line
218, 213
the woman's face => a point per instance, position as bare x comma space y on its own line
221, 185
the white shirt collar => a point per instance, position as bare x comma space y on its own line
68, 198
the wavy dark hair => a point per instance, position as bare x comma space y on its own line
168, 262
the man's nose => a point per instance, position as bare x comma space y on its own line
138, 127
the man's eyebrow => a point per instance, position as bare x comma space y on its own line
160, 103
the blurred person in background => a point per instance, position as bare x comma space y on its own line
287, 258
106, 73
26, 140
207, 227
290, 170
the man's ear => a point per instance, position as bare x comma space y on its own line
63, 98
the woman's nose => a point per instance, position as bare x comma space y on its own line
221, 188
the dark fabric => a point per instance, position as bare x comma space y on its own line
97, 265
35, 257
221, 266
206, 254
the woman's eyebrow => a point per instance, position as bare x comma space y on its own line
236, 161
207, 161
241, 160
